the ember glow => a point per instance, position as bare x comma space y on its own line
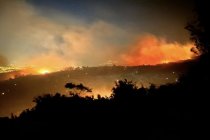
43, 71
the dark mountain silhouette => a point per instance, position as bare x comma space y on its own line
19, 92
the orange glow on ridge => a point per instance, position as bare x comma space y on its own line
151, 50
43, 71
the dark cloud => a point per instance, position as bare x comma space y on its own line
159, 17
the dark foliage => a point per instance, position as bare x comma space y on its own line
131, 109
78, 87
199, 27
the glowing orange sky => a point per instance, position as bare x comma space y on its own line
54, 41
146, 50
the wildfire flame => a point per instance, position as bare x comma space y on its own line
150, 50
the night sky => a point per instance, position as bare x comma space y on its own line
34, 33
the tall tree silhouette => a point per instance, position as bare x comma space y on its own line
197, 78
199, 28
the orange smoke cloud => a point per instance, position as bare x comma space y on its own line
150, 50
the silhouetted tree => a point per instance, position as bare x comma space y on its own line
199, 27
196, 80
77, 89
123, 89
